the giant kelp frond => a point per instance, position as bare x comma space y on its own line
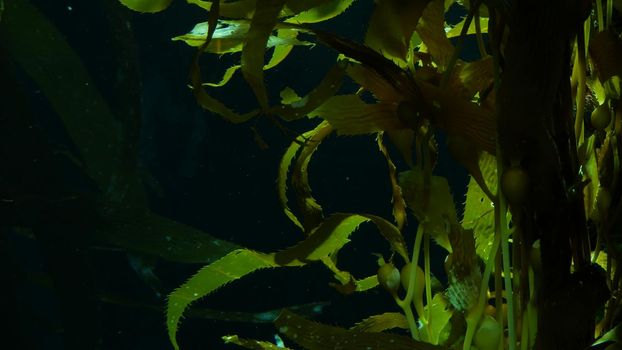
412, 82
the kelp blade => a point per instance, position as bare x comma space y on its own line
316, 336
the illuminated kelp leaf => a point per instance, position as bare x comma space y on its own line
456, 116
231, 267
349, 115
431, 30
308, 143
455, 31
150, 6
262, 24
435, 210
591, 189
251, 343
438, 329
399, 206
606, 54
391, 233
473, 77
225, 77
203, 98
382, 322
368, 78
330, 236
140, 231
310, 209
281, 182
213, 105
613, 335
347, 283
299, 108
316, 336
231, 9
289, 96
391, 26
479, 209
68, 87
333, 233
323, 11
230, 36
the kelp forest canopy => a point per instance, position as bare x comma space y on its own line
535, 119
523, 94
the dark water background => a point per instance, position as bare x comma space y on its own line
199, 170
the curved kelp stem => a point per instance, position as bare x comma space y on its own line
410, 291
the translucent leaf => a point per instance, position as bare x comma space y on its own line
233, 266
330, 236
455, 31
321, 13
438, 323
350, 115
374, 82
316, 336
146, 5
289, 96
231, 9
473, 77
326, 88
457, 116
281, 182
613, 335
262, 24
431, 30
310, 209
391, 26
435, 210
399, 206
382, 322
479, 209
251, 343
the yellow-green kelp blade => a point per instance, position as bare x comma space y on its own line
316, 336
251, 343
382, 322
234, 265
150, 6
263, 23
330, 236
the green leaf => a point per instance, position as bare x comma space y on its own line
326, 10
316, 336
431, 30
326, 239
439, 325
150, 6
351, 116
391, 26
311, 140
382, 322
438, 213
141, 231
251, 343
233, 266
263, 22
479, 209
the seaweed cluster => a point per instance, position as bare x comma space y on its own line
535, 120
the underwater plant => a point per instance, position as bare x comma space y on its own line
535, 119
